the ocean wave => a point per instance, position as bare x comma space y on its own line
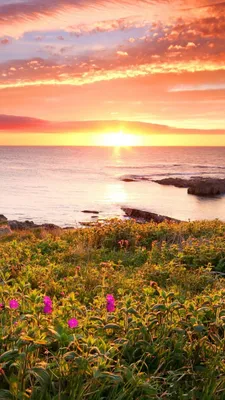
153, 176
209, 167
143, 166
161, 166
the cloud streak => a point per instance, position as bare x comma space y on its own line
4, 41
34, 9
17, 124
110, 25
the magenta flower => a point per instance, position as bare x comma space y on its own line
2, 306
110, 305
47, 309
13, 304
47, 305
47, 301
73, 323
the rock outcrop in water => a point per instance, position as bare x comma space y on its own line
133, 178
90, 212
178, 182
197, 186
146, 216
212, 187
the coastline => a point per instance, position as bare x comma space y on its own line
138, 215
54, 185
141, 216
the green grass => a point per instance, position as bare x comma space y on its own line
166, 339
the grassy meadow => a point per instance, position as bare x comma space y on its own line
163, 338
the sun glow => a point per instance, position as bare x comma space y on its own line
120, 139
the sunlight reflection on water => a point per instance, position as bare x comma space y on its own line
55, 184
115, 193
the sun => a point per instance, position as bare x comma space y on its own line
120, 139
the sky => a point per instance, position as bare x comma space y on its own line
99, 72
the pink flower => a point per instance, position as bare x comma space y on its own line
123, 243
110, 305
47, 309
2, 306
47, 305
47, 301
13, 304
73, 323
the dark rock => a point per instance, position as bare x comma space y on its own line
146, 216
207, 187
49, 227
5, 230
18, 225
133, 178
90, 212
178, 182
2, 218
197, 186
128, 180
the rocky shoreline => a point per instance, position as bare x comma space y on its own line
9, 226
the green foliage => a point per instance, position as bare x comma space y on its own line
166, 338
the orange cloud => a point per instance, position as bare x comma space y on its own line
35, 9
122, 53
108, 26
60, 75
4, 41
10, 123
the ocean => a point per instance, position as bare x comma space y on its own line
55, 184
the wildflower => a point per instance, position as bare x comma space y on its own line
153, 284
13, 304
123, 243
73, 323
47, 301
120, 243
2, 306
47, 309
110, 306
47, 305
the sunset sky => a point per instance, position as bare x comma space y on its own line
79, 72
